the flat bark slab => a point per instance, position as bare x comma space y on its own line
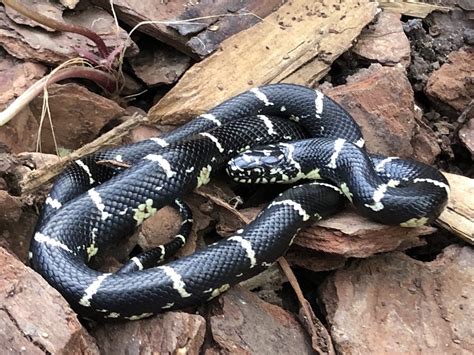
169, 333
241, 323
458, 216
380, 99
295, 44
384, 41
47, 8
77, 114
313, 260
159, 64
16, 76
35, 44
449, 87
392, 304
350, 235
215, 20
33, 315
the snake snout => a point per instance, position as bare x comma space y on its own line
260, 165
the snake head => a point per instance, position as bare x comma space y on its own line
270, 163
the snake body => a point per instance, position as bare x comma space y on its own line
92, 206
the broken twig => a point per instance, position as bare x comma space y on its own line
36, 178
320, 339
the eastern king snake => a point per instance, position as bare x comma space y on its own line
92, 206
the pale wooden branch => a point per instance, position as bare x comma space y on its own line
37, 178
458, 216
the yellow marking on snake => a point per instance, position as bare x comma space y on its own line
216, 292
345, 191
204, 176
139, 316
92, 249
414, 222
313, 174
144, 211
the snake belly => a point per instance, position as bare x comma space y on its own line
88, 211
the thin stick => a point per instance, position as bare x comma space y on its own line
321, 341
224, 205
36, 178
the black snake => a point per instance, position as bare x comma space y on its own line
93, 205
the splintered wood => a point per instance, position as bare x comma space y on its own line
413, 8
458, 216
296, 44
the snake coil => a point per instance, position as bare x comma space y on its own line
92, 206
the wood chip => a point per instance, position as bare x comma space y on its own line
351, 235
241, 323
168, 333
